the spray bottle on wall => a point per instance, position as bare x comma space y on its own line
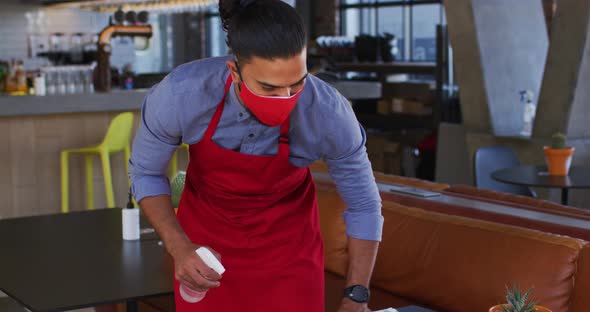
529, 111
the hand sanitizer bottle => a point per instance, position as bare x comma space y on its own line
130, 218
529, 110
212, 262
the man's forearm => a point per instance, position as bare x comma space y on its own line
158, 210
362, 255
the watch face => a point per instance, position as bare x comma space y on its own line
358, 294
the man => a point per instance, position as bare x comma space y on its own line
254, 122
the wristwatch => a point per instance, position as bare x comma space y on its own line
357, 293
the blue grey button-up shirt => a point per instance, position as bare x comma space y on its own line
323, 126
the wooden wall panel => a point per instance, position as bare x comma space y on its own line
7, 209
72, 136
25, 201
45, 126
5, 155
48, 179
23, 149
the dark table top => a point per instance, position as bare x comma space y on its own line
537, 176
70, 261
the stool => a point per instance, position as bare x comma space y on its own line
116, 140
174, 160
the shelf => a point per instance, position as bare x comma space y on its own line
395, 121
422, 68
417, 90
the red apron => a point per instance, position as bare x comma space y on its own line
260, 213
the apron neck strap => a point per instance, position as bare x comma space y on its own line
284, 139
217, 116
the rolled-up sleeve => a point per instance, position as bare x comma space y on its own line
157, 138
349, 166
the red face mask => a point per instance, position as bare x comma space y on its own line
270, 110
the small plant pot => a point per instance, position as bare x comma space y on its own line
558, 160
498, 308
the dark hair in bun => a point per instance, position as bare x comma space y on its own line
264, 28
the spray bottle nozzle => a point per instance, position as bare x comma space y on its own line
130, 201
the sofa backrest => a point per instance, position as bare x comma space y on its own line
518, 200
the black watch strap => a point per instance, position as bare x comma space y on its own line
357, 293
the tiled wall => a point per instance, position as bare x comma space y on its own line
14, 30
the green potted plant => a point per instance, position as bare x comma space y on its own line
558, 156
518, 302
177, 186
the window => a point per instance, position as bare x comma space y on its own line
392, 20
358, 21
215, 38
424, 21
412, 22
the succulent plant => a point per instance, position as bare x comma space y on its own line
517, 301
177, 186
558, 141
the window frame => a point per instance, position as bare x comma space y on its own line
407, 19
208, 16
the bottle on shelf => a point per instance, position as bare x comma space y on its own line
10, 82
21, 78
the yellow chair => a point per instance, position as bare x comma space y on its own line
174, 160
116, 140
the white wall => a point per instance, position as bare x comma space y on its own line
14, 30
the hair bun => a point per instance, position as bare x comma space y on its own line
228, 9
245, 3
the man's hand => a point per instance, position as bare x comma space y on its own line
192, 272
348, 305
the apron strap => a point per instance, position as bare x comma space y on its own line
217, 116
284, 148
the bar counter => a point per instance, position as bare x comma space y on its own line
131, 100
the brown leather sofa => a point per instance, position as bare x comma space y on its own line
432, 255
452, 263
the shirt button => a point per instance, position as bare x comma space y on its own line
241, 114
251, 135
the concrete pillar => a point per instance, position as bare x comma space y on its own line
468, 67
549, 7
499, 48
564, 100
